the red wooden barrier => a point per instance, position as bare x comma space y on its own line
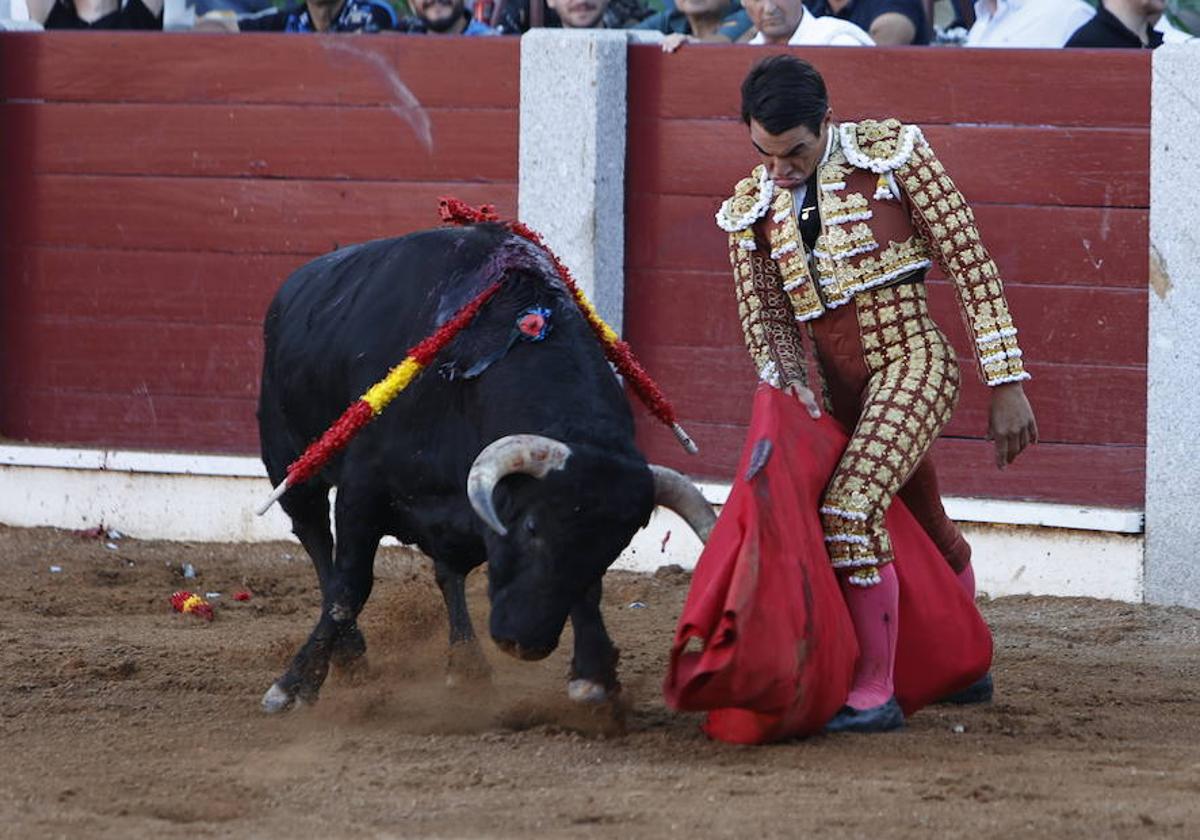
161, 187
158, 189
1052, 148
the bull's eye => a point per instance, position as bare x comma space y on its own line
530, 526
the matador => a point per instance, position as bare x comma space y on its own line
830, 239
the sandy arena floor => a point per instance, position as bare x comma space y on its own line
121, 719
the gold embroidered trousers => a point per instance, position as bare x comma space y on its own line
891, 376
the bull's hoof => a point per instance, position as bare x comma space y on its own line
277, 700
589, 692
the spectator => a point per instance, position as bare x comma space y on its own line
1026, 23
97, 14
623, 14
580, 14
698, 20
443, 17
786, 22
324, 16
890, 23
595, 14
513, 16
1121, 23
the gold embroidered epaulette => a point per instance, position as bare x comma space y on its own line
878, 146
749, 202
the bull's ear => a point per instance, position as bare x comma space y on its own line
676, 492
533, 455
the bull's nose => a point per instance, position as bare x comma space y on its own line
524, 653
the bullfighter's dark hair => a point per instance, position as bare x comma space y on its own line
781, 92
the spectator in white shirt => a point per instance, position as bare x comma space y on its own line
787, 22
1046, 24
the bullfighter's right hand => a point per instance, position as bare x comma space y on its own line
801, 392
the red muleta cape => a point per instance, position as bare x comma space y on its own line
765, 643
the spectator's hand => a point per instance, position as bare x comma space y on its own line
797, 389
1011, 424
675, 40
215, 23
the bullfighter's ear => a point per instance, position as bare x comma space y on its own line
533, 455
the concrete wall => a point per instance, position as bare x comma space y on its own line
1173, 410
1020, 548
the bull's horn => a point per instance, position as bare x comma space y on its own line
676, 492
533, 455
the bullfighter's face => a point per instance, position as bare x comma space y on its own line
792, 156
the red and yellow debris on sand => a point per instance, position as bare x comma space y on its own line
189, 602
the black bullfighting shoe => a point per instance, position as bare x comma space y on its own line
979, 691
883, 718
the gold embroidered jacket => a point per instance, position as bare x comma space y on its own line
887, 208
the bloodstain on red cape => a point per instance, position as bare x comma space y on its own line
765, 643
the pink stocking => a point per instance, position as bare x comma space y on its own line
966, 579
875, 613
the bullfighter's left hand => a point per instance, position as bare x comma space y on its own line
801, 392
1011, 424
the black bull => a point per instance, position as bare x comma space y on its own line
541, 431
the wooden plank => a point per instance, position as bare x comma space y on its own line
397, 71
680, 308
237, 214
190, 287
139, 421
1059, 324
915, 84
140, 359
1101, 167
720, 445
1062, 245
1106, 476
1073, 403
1110, 476
327, 142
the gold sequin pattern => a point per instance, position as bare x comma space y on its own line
912, 391
879, 139
768, 322
946, 219
787, 245
836, 206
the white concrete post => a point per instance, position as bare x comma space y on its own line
572, 155
1173, 399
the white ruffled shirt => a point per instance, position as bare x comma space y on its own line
826, 31
1046, 24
